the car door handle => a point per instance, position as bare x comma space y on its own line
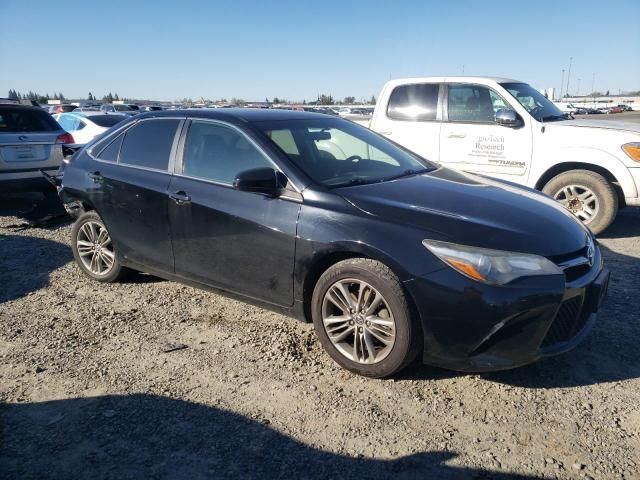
457, 135
181, 198
95, 176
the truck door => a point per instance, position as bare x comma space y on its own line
470, 139
411, 119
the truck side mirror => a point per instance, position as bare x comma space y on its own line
508, 118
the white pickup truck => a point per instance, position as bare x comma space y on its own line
507, 129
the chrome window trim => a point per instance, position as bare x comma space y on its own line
249, 139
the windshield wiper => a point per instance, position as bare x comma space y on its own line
551, 118
408, 173
352, 182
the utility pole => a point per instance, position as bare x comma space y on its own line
463, 69
593, 92
569, 74
561, 84
578, 91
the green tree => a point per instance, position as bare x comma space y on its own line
116, 97
349, 100
61, 96
373, 100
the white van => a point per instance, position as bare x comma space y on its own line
507, 129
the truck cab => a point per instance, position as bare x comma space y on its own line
507, 129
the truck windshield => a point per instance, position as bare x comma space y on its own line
337, 153
539, 106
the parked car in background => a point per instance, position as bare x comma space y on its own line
151, 108
30, 141
507, 129
85, 127
133, 107
616, 109
62, 108
391, 256
87, 109
626, 108
110, 108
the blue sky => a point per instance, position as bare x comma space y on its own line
297, 49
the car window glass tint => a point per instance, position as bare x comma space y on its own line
472, 103
148, 144
418, 102
219, 153
26, 120
110, 153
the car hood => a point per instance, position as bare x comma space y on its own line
600, 124
473, 210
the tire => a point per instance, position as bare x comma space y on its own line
606, 198
84, 249
377, 279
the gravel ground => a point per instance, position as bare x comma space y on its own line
152, 379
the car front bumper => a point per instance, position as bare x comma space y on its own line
472, 327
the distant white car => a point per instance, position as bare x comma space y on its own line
86, 126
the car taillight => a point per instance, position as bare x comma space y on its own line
65, 138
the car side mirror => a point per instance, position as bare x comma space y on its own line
508, 118
261, 180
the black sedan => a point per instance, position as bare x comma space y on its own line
391, 256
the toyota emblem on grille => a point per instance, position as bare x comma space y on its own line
591, 250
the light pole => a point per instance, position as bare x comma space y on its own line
593, 92
569, 74
561, 84
578, 91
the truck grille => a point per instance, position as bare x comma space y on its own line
569, 321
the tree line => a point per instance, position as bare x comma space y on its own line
43, 99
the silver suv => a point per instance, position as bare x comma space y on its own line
30, 141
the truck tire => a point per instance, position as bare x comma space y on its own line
586, 194
363, 319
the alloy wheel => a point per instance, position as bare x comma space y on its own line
95, 248
579, 200
358, 321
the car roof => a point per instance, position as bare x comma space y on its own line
238, 114
452, 79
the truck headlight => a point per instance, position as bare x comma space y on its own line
494, 267
632, 150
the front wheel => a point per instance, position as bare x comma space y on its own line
363, 320
586, 194
93, 249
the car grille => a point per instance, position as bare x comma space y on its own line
569, 321
574, 265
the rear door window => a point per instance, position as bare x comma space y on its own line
148, 144
417, 102
69, 122
110, 152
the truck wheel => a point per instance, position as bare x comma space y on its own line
362, 318
586, 194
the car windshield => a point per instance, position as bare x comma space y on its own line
123, 108
26, 120
539, 106
338, 153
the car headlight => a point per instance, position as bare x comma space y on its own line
494, 267
632, 150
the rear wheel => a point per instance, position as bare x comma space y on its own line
93, 249
586, 194
363, 320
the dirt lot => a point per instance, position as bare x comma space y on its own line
89, 388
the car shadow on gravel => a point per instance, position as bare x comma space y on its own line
609, 354
148, 436
36, 209
626, 225
26, 262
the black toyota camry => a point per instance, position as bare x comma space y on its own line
389, 255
